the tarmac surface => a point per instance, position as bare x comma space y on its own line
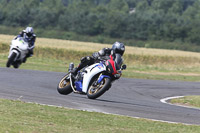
129, 97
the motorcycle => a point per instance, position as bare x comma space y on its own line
93, 80
17, 53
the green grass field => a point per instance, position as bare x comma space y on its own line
192, 101
20, 117
55, 55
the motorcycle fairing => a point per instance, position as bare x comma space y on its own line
101, 78
14, 50
17, 46
90, 72
20, 43
112, 66
78, 85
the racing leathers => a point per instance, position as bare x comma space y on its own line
31, 42
89, 60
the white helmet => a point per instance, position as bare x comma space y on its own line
29, 31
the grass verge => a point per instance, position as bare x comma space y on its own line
17, 116
193, 101
144, 66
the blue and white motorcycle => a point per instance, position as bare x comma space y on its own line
93, 80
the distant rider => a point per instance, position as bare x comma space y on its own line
28, 34
117, 48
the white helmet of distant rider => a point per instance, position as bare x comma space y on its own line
29, 31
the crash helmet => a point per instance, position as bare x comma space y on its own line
29, 31
118, 48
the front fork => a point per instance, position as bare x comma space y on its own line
71, 83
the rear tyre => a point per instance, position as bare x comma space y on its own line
64, 86
96, 90
16, 65
11, 59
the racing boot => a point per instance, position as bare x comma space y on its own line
76, 69
27, 56
74, 72
24, 60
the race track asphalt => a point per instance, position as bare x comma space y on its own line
129, 97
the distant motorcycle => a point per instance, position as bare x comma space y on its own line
93, 80
17, 53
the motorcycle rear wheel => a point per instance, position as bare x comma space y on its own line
96, 91
64, 86
11, 59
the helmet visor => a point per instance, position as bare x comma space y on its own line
29, 34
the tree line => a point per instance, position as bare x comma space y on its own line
166, 20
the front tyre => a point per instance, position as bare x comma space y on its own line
11, 59
16, 64
96, 90
64, 86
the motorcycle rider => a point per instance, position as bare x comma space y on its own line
117, 48
28, 34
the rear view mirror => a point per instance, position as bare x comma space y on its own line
123, 67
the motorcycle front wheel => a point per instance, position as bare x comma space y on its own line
11, 59
64, 86
96, 90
